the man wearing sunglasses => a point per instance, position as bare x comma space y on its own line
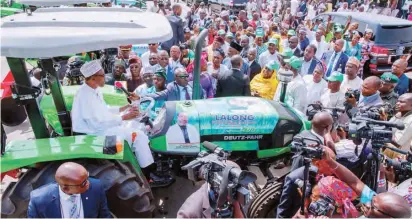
180, 89
382, 205
153, 49
73, 195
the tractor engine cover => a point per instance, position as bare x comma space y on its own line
234, 123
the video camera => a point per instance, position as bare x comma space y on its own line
335, 112
403, 168
227, 183
73, 75
300, 148
352, 94
380, 132
325, 206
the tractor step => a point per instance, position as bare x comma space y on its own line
261, 179
276, 174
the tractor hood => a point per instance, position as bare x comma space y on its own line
234, 123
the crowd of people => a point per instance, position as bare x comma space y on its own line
243, 55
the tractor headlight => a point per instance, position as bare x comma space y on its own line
284, 75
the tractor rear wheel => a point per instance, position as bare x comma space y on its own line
264, 205
128, 195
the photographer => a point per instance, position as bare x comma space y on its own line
383, 205
402, 138
290, 200
369, 97
197, 205
321, 125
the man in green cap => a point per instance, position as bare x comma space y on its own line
293, 45
387, 92
333, 97
296, 92
270, 54
225, 46
259, 45
229, 37
286, 54
291, 33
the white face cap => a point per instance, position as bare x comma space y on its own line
91, 68
224, 13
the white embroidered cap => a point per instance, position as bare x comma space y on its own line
91, 68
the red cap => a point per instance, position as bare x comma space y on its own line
126, 47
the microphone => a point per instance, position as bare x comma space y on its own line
119, 85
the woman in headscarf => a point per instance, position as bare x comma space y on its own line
353, 48
135, 79
338, 194
366, 44
187, 55
265, 83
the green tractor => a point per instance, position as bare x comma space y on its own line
256, 131
10, 7
51, 32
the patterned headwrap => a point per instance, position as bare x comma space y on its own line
341, 193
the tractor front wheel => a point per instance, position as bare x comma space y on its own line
127, 194
264, 205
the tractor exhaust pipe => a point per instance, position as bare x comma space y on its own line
196, 72
284, 76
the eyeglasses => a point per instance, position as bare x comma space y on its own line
81, 185
372, 206
183, 76
152, 44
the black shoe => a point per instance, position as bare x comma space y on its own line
157, 181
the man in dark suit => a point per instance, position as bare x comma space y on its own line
309, 60
75, 195
235, 83
321, 125
179, 89
337, 60
177, 27
254, 67
293, 45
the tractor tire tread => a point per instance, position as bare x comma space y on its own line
267, 197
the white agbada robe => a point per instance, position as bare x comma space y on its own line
295, 94
354, 84
266, 57
315, 90
91, 115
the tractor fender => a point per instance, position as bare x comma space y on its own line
29, 152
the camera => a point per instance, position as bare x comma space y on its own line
73, 75
402, 168
325, 206
352, 94
227, 183
335, 112
380, 132
299, 147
